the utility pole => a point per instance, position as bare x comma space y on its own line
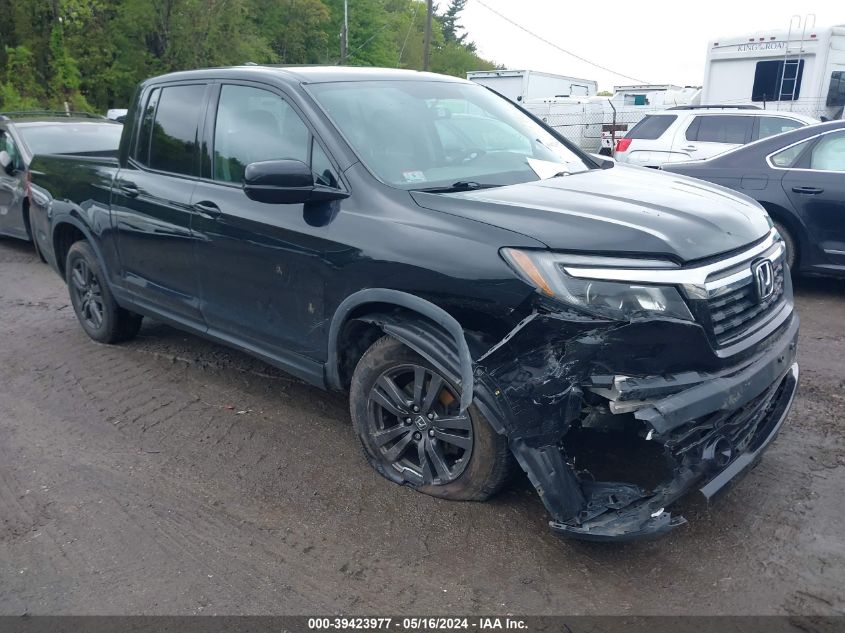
344, 34
427, 46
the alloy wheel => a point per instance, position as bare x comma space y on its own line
89, 295
415, 422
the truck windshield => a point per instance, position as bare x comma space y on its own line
427, 134
71, 138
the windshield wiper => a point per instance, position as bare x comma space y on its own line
461, 185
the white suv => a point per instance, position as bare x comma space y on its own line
697, 132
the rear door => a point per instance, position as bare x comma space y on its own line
151, 202
711, 134
12, 190
816, 188
263, 266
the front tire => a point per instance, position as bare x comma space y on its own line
407, 416
98, 313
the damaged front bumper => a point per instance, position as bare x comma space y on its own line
731, 447
710, 426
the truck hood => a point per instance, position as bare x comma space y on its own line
618, 210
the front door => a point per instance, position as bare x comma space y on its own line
816, 188
263, 267
151, 203
11, 190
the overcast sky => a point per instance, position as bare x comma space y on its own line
658, 41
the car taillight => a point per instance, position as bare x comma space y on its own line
623, 144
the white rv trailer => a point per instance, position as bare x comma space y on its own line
522, 85
593, 123
800, 69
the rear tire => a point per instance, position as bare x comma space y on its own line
434, 449
791, 247
98, 313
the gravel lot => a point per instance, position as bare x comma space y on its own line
172, 476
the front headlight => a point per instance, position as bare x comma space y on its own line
611, 299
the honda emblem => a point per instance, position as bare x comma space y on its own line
764, 278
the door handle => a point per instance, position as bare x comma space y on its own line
208, 209
691, 148
808, 191
130, 190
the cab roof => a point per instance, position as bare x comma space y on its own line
25, 117
307, 74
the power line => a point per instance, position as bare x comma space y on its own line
415, 5
553, 45
369, 39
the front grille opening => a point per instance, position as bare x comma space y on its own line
738, 311
617, 455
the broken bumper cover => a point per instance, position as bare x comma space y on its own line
647, 516
699, 430
713, 433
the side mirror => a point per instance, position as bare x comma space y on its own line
6, 162
285, 181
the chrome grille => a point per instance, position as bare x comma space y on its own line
735, 307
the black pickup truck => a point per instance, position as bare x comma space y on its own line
488, 294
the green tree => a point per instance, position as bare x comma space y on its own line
65, 77
451, 27
294, 30
20, 90
94, 52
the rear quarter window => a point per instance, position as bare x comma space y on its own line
652, 127
788, 157
771, 125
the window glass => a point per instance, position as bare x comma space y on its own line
652, 126
174, 134
721, 129
413, 134
771, 125
775, 82
142, 151
787, 157
80, 137
324, 173
464, 133
8, 145
255, 125
829, 154
836, 91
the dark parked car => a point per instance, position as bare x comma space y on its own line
482, 289
25, 134
799, 178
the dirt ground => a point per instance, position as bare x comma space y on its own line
172, 476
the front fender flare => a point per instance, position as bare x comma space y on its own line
68, 218
417, 335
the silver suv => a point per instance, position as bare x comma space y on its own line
687, 133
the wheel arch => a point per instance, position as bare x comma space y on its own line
421, 325
794, 225
786, 217
66, 232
